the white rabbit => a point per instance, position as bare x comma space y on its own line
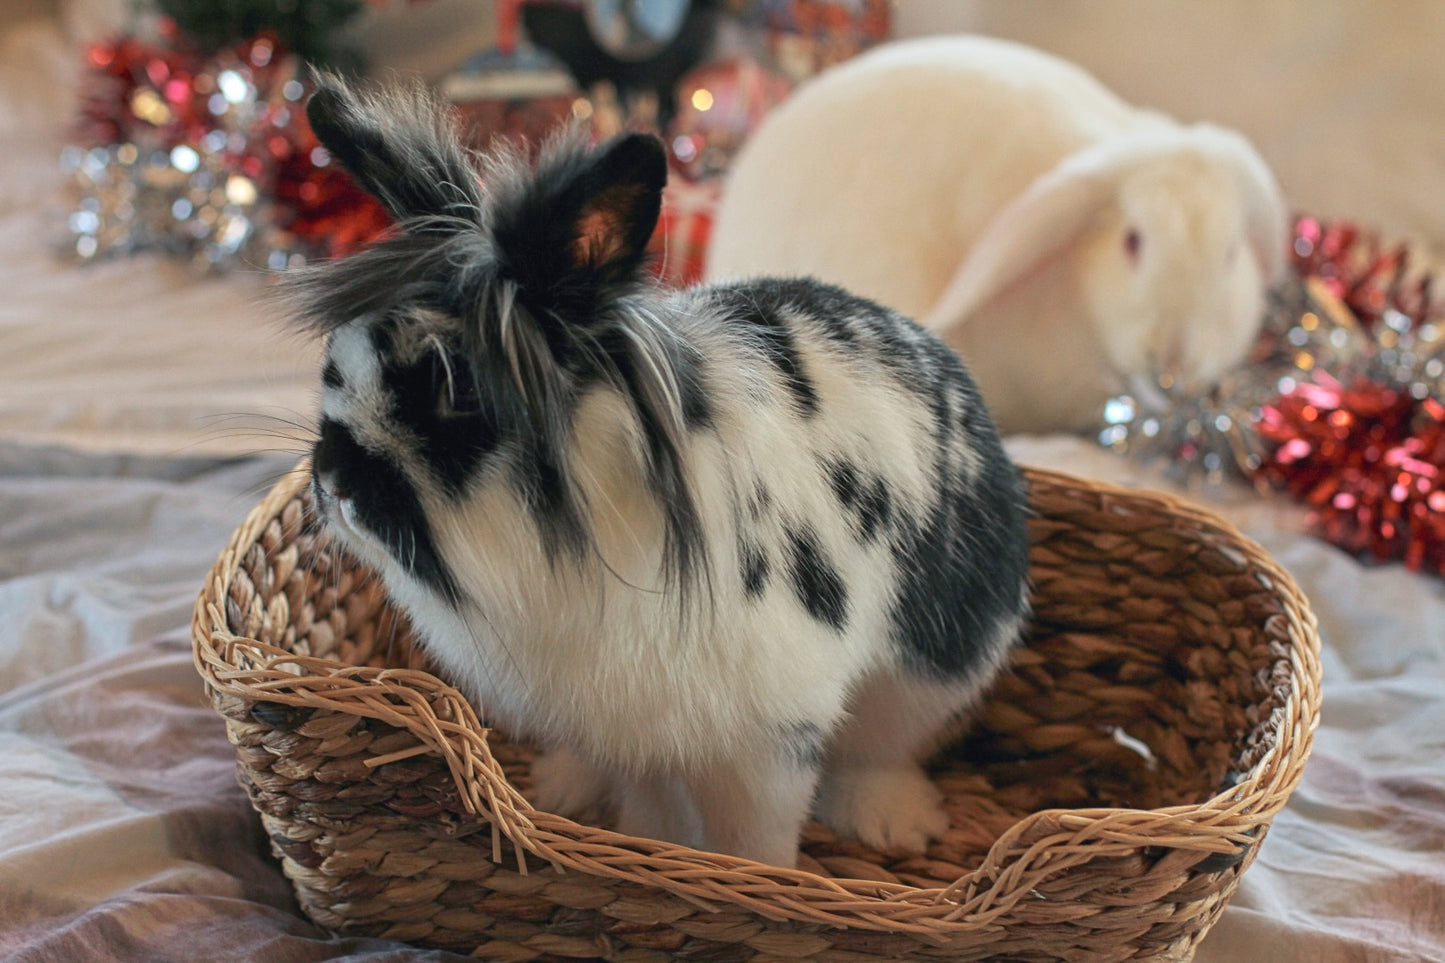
726, 554
1063, 241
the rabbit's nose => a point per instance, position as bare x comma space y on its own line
1170, 358
327, 457
1165, 352
327, 488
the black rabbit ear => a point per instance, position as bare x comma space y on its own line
580, 223
401, 147
622, 203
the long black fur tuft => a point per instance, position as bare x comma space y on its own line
399, 144
542, 269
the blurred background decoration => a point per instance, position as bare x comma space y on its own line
192, 142
192, 138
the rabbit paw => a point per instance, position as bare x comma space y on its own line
896, 810
566, 784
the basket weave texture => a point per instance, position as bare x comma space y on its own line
1117, 782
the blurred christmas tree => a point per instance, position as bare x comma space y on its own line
313, 30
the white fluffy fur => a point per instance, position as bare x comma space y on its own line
675, 716
985, 187
721, 552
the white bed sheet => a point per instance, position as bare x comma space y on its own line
100, 559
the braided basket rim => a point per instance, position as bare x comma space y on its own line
1040, 845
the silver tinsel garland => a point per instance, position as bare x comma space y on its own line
206, 198
1208, 433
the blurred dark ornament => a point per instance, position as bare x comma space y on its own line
313, 30
640, 49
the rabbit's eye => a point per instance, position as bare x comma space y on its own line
1132, 242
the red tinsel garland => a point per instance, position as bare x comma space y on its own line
163, 92
1366, 455
1367, 460
1356, 268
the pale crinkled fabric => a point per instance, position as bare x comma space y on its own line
122, 827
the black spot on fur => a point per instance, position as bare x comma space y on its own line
834, 312
697, 410
875, 510
331, 375
755, 568
385, 504
815, 581
760, 502
556, 513
782, 311
380, 337
783, 353
962, 568
803, 744
844, 479
455, 437
666, 478
865, 498
754, 308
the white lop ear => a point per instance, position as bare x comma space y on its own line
1266, 217
1038, 224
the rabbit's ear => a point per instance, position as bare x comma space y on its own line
624, 201
584, 221
1266, 218
401, 147
1039, 224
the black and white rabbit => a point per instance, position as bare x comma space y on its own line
728, 555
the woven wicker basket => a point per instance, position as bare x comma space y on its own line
1118, 782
